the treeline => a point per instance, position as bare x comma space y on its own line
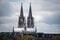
11, 36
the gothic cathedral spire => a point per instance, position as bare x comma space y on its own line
21, 12
30, 20
30, 11
21, 22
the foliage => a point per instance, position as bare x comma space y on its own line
8, 36
28, 37
55, 38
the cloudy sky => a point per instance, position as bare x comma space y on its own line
45, 12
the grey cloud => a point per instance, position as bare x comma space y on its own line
54, 19
7, 27
5, 9
4, 21
51, 5
4, 28
47, 28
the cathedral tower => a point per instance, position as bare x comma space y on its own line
21, 22
30, 20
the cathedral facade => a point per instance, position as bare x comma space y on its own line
23, 26
30, 20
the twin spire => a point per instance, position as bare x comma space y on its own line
30, 11
22, 22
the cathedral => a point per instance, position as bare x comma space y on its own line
23, 27
22, 22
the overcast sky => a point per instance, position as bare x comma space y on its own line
45, 12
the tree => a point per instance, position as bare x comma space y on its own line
55, 38
28, 37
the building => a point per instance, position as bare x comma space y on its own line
23, 27
26, 28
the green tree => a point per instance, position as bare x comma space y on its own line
28, 37
55, 38
18, 38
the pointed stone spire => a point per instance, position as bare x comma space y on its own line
30, 19
21, 18
30, 11
21, 12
